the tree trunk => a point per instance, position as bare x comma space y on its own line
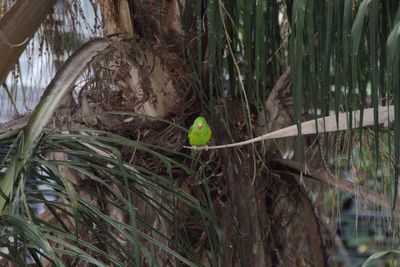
28, 15
247, 201
116, 17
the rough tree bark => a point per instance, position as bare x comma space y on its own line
247, 189
247, 202
116, 17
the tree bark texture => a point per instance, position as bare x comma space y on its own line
116, 17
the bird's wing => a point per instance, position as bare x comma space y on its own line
208, 134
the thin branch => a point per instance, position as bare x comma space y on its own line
4, 38
325, 124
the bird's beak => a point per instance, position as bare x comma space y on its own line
200, 125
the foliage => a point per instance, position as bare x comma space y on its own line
378, 255
102, 203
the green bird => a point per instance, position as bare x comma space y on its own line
199, 132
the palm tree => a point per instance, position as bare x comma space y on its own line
109, 169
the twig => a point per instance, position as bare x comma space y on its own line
325, 124
4, 38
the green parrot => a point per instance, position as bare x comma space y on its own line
199, 132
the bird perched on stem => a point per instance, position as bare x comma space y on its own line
199, 133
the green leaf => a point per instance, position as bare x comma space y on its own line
379, 255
